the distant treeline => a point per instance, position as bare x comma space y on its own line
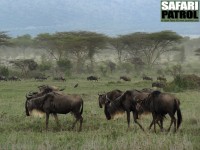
76, 51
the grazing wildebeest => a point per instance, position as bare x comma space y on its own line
59, 78
90, 78
3, 78
14, 78
125, 102
162, 79
158, 84
161, 104
125, 78
57, 103
147, 90
147, 78
112, 95
41, 78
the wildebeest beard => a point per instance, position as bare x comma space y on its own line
35, 106
113, 109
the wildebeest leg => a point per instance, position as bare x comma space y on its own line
128, 118
157, 121
81, 121
174, 124
135, 115
78, 118
56, 119
73, 125
151, 125
154, 121
173, 120
161, 123
47, 120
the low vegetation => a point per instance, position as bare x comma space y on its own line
183, 82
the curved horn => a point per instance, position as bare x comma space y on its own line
107, 98
28, 96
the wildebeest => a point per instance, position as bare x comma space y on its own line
125, 102
112, 95
3, 78
161, 104
90, 78
14, 78
147, 78
125, 78
147, 90
56, 103
162, 79
44, 89
59, 79
41, 78
158, 84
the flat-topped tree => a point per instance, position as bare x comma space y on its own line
23, 42
80, 45
118, 46
149, 46
52, 43
4, 39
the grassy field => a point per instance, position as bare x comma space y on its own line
17, 131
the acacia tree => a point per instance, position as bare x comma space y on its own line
118, 45
54, 44
95, 42
197, 52
150, 46
25, 65
24, 42
80, 45
4, 39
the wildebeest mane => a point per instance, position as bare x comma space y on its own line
115, 107
155, 94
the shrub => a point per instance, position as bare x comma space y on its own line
183, 82
65, 65
4, 71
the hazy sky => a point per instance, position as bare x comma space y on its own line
112, 17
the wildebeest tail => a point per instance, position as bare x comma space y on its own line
179, 115
81, 111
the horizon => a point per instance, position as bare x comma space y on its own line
112, 18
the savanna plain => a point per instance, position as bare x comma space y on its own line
17, 131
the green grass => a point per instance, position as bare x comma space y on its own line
17, 131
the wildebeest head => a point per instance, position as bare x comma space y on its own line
36, 104
102, 100
106, 110
112, 95
29, 97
